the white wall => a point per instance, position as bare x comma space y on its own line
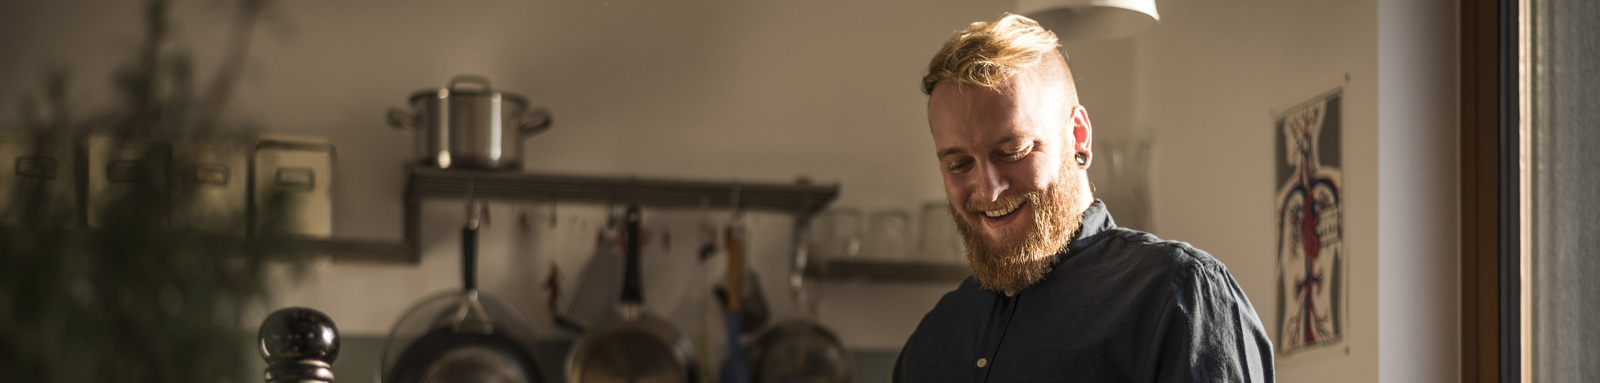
1206, 82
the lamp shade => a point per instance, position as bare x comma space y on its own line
1092, 20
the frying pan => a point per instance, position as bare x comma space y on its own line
634, 346
465, 336
800, 350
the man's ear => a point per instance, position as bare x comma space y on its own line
1082, 134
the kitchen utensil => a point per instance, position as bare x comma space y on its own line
800, 350
889, 235
938, 240
753, 310
600, 282
464, 126
464, 336
635, 346
705, 336
599, 289
299, 170
734, 369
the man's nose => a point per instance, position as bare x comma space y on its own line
991, 183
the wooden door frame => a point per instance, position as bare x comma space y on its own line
1490, 231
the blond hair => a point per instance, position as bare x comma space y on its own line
988, 53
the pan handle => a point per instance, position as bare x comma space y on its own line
482, 82
535, 121
797, 270
631, 292
403, 121
469, 250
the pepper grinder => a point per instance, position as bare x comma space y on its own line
299, 345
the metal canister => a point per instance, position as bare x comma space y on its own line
293, 181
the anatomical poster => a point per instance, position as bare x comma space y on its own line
1310, 224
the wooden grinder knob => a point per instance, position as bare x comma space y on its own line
299, 345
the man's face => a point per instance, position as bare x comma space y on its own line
1004, 156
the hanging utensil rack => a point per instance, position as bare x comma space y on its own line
801, 199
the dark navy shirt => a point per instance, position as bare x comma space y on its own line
1118, 305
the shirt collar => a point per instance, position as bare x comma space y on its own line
1095, 224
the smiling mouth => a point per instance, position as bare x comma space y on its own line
1003, 214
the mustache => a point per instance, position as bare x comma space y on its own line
1005, 201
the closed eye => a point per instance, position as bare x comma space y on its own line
958, 166
1018, 154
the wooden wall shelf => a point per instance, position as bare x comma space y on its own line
799, 199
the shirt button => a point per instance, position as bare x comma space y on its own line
983, 362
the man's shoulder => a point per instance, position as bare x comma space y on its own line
965, 293
1156, 254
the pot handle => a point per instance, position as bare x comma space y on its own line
471, 78
402, 121
535, 121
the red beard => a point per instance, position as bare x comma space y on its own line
1012, 267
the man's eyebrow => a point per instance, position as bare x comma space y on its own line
1002, 141
1010, 139
948, 151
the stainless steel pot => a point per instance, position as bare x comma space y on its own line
467, 126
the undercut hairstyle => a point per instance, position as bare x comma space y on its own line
988, 53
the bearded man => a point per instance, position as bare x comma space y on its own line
1058, 292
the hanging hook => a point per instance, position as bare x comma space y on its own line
738, 210
553, 217
611, 214
472, 214
705, 209
708, 231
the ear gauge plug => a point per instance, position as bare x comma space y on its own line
1082, 158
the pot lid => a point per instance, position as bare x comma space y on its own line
462, 85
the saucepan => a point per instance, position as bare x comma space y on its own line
469, 124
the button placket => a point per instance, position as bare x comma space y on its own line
1008, 308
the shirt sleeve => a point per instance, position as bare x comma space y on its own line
898, 360
1210, 331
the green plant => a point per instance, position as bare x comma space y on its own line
133, 299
